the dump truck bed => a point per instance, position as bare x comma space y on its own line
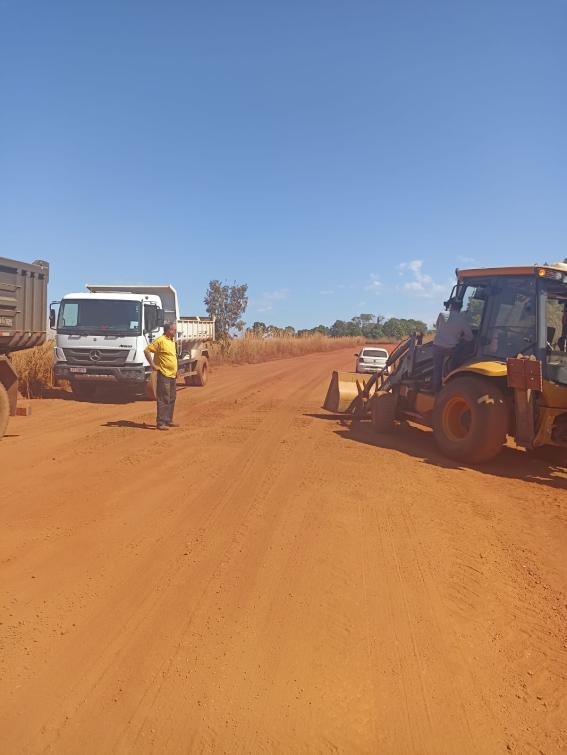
23, 304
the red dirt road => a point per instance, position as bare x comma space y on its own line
265, 579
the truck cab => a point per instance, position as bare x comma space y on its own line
102, 335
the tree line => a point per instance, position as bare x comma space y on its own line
228, 303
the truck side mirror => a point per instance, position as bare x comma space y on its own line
52, 315
160, 318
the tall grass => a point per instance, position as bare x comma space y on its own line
35, 370
252, 349
35, 366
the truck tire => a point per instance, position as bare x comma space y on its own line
4, 410
383, 412
202, 373
83, 391
471, 420
151, 386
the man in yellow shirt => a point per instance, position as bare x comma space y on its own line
164, 362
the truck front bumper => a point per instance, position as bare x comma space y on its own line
128, 374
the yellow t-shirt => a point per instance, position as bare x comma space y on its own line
165, 355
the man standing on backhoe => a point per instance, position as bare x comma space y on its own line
450, 330
164, 362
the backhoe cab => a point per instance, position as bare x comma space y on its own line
510, 380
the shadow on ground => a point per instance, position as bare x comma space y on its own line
128, 423
417, 442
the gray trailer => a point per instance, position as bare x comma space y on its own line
23, 322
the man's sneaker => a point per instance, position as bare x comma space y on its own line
162, 427
172, 424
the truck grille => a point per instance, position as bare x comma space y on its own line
96, 357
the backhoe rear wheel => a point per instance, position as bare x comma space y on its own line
470, 420
383, 412
4, 410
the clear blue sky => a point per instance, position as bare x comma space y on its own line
338, 157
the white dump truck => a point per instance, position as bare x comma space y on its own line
102, 334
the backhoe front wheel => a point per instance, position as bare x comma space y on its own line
470, 420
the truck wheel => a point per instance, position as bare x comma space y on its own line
151, 386
383, 412
4, 410
83, 391
470, 420
202, 373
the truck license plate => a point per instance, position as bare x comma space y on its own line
78, 369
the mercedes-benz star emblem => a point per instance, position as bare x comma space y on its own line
95, 355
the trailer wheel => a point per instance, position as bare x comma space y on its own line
471, 420
202, 373
383, 412
83, 391
4, 410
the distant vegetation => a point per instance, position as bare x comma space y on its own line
367, 326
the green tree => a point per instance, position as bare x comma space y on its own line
373, 331
394, 328
342, 328
257, 329
227, 304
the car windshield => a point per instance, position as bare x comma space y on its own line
374, 353
99, 317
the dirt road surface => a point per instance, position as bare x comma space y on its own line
266, 579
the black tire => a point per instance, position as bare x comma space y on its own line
83, 391
202, 373
4, 410
383, 412
471, 420
556, 455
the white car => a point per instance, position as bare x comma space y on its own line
371, 359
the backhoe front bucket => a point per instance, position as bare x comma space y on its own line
345, 393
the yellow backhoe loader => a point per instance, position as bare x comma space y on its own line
511, 380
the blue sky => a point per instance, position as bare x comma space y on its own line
338, 157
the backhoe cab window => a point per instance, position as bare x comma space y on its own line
473, 305
99, 317
556, 321
512, 327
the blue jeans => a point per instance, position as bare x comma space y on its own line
439, 356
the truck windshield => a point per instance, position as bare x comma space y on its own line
99, 317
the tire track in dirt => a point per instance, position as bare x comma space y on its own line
267, 580
249, 463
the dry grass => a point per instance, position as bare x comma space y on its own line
252, 349
34, 368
